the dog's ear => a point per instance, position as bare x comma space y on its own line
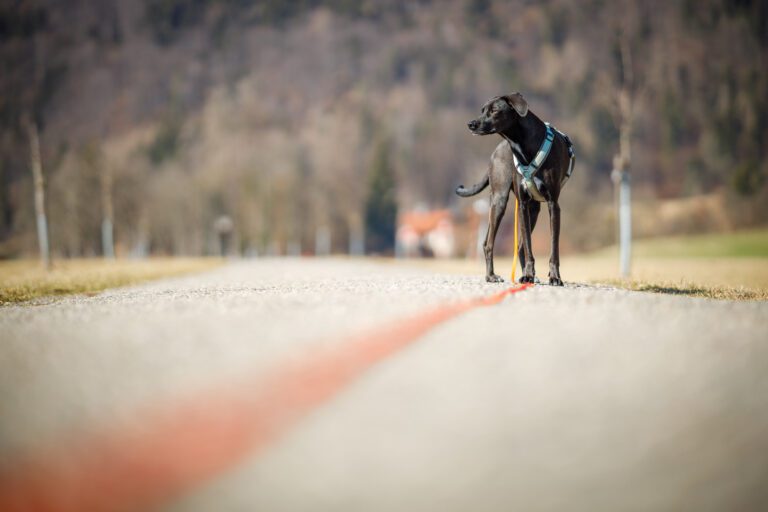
517, 102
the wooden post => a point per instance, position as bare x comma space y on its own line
39, 188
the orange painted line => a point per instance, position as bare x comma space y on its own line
179, 447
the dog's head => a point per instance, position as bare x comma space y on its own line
499, 114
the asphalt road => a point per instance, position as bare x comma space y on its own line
575, 398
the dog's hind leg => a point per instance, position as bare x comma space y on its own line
534, 209
498, 206
529, 271
554, 257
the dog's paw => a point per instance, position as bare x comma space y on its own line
555, 281
493, 278
528, 279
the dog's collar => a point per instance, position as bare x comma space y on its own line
529, 171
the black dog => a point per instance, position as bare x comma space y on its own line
526, 138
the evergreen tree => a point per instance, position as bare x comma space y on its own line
381, 203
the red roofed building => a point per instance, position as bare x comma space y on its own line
426, 234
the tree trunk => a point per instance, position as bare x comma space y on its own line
107, 223
39, 188
356, 237
141, 239
622, 160
322, 241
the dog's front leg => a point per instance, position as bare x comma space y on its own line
554, 257
534, 207
529, 271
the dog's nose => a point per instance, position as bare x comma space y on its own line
473, 124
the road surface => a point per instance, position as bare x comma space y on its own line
576, 398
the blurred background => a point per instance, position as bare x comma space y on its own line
151, 138
202, 127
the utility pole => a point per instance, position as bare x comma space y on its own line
620, 177
39, 187
622, 161
107, 222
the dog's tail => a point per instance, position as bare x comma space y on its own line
474, 189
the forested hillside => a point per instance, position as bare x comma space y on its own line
285, 115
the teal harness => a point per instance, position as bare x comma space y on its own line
528, 172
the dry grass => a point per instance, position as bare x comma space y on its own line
751, 243
692, 290
723, 266
23, 280
749, 273
727, 266
716, 278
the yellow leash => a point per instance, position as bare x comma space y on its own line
514, 262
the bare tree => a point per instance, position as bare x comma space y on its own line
189, 135
38, 181
107, 211
623, 158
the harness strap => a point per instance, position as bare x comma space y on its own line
528, 172
571, 154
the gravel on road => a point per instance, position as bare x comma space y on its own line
575, 398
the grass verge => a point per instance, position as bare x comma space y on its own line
693, 290
24, 280
741, 244
726, 266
